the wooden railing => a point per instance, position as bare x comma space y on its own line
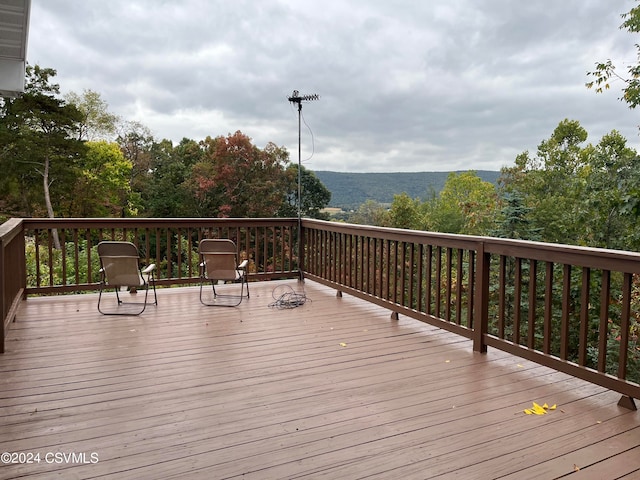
573, 309
172, 244
570, 308
12, 273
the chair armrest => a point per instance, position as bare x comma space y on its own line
150, 268
243, 265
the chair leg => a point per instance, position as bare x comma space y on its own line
121, 302
100, 297
201, 288
217, 295
151, 281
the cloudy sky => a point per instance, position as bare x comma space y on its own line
404, 85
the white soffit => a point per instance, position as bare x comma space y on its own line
14, 33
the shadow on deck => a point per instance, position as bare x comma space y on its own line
331, 389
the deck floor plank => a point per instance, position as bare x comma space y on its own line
332, 389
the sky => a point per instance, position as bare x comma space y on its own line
403, 85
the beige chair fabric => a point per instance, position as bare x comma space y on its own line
120, 267
219, 263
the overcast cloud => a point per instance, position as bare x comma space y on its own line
404, 85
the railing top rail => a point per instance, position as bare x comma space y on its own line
602, 258
400, 234
10, 229
34, 223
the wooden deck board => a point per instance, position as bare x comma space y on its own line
331, 389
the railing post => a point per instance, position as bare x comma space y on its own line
481, 313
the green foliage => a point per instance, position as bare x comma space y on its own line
315, 196
40, 150
574, 193
96, 123
513, 219
405, 213
64, 266
606, 72
102, 188
466, 205
551, 179
167, 193
370, 213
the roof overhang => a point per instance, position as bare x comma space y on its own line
14, 33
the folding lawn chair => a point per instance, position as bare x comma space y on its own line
120, 267
219, 263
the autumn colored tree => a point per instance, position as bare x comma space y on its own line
235, 178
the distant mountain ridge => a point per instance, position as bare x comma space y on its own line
350, 190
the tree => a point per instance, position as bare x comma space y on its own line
96, 123
405, 212
574, 193
136, 142
38, 130
607, 71
610, 194
102, 189
466, 204
167, 193
551, 183
235, 178
315, 195
513, 219
370, 213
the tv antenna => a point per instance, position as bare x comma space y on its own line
298, 99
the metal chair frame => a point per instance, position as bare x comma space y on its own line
117, 259
219, 262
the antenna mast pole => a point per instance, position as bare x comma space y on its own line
298, 99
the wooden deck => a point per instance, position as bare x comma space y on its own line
331, 389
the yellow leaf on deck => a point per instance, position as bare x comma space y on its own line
538, 410
343, 344
552, 407
528, 412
